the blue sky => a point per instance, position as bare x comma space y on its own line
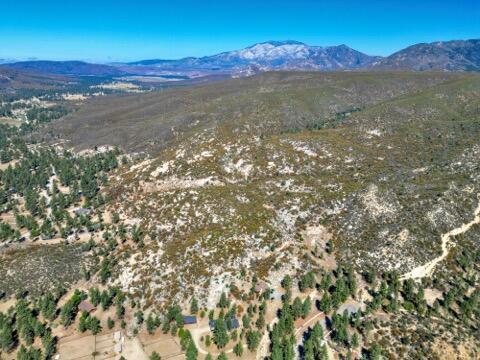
117, 30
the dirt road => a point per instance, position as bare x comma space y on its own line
427, 269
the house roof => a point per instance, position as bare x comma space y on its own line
233, 322
188, 319
83, 211
86, 306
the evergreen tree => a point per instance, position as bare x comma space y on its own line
306, 307
220, 335
253, 339
155, 356
238, 349
194, 305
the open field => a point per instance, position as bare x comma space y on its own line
97, 347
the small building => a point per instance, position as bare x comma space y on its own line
233, 322
86, 306
189, 319
83, 211
117, 336
261, 287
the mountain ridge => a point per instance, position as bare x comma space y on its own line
273, 55
453, 55
287, 54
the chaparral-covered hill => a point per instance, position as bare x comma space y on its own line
247, 173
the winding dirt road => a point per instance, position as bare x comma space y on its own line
427, 269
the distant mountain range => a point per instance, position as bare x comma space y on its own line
272, 55
457, 55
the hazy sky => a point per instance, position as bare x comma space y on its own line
117, 30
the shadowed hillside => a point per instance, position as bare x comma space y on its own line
16, 79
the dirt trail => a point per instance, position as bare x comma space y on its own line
427, 269
197, 334
305, 326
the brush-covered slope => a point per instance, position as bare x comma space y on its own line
266, 104
20, 79
456, 55
248, 174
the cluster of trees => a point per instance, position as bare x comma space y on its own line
88, 322
29, 320
224, 325
39, 115
336, 293
21, 325
282, 335
12, 143
173, 319
314, 347
187, 344
31, 174
6, 110
83, 176
69, 311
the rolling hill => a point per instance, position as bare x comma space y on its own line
74, 68
373, 157
272, 102
456, 55
11, 78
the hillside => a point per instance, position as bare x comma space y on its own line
268, 103
456, 55
361, 175
20, 79
374, 158
303, 213
75, 68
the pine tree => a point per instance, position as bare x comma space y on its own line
306, 307
223, 303
194, 305
155, 356
355, 341
49, 344
297, 308
7, 340
110, 323
94, 325
220, 335
238, 349
253, 339
192, 351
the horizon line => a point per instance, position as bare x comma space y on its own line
11, 60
